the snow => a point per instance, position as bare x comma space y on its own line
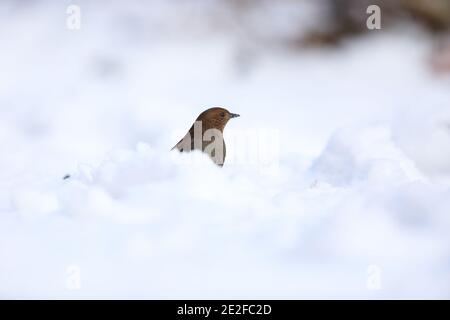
336, 183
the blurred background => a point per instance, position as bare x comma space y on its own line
350, 105
143, 70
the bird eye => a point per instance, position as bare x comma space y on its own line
222, 114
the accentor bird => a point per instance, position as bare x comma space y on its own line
206, 134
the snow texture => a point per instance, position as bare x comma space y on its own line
336, 184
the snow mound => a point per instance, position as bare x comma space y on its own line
367, 154
149, 223
356, 204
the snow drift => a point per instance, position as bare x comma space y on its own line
352, 203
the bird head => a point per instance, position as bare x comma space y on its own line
216, 118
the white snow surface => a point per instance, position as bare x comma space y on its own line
354, 201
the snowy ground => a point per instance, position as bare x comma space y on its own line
353, 201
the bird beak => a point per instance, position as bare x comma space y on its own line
234, 115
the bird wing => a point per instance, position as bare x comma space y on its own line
181, 144
178, 146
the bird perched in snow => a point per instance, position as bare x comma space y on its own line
206, 134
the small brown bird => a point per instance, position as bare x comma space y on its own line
206, 134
